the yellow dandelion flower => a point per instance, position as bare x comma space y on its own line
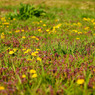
58, 26
33, 54
56, 20
39, 59
2, 36
94, 69
23, 37
2, 88
33, 37
79, 24
22, 30
85, 19
39, 30
47, 30
29, 59
77, 38
40, 21
36, 52
74, 24
17, 31
80, 81
37, 22
10, 32
26, 51
75, 31
14, 19
37, 49
44, 24
37, 38
23, 49
93, 23
86, 28
92, 20
34, 76
15, 49
32, 71
94, 34
11, 52
23, 76
6, 23
94, 87
85, 32
79, 32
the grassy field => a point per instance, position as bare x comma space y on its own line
52, 53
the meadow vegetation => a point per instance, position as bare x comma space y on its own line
47, 47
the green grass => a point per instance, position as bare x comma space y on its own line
65, 39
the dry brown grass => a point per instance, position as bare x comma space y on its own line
58, 3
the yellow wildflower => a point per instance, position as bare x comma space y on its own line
79, 32
85, 19
10, 32
15, 49
23, 76
17, 31
29, 59
79, 24
14, 19
92, 20
2, 36
23, 37
36, 52
33, 37
34, 76
2, 88
32, 71
75, 31
94, 87
40, 21
11, 52
58, 25
6, 23
37, 49
37, 38
23, 49
39, 30
86, 28
44, 24
56, 20
28, 50
37, 22
8, 48
77, 38
93, 23
47, 30
22, 30
33, 54
74, 24
85, 32
80, 81
94, 34
39, 59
